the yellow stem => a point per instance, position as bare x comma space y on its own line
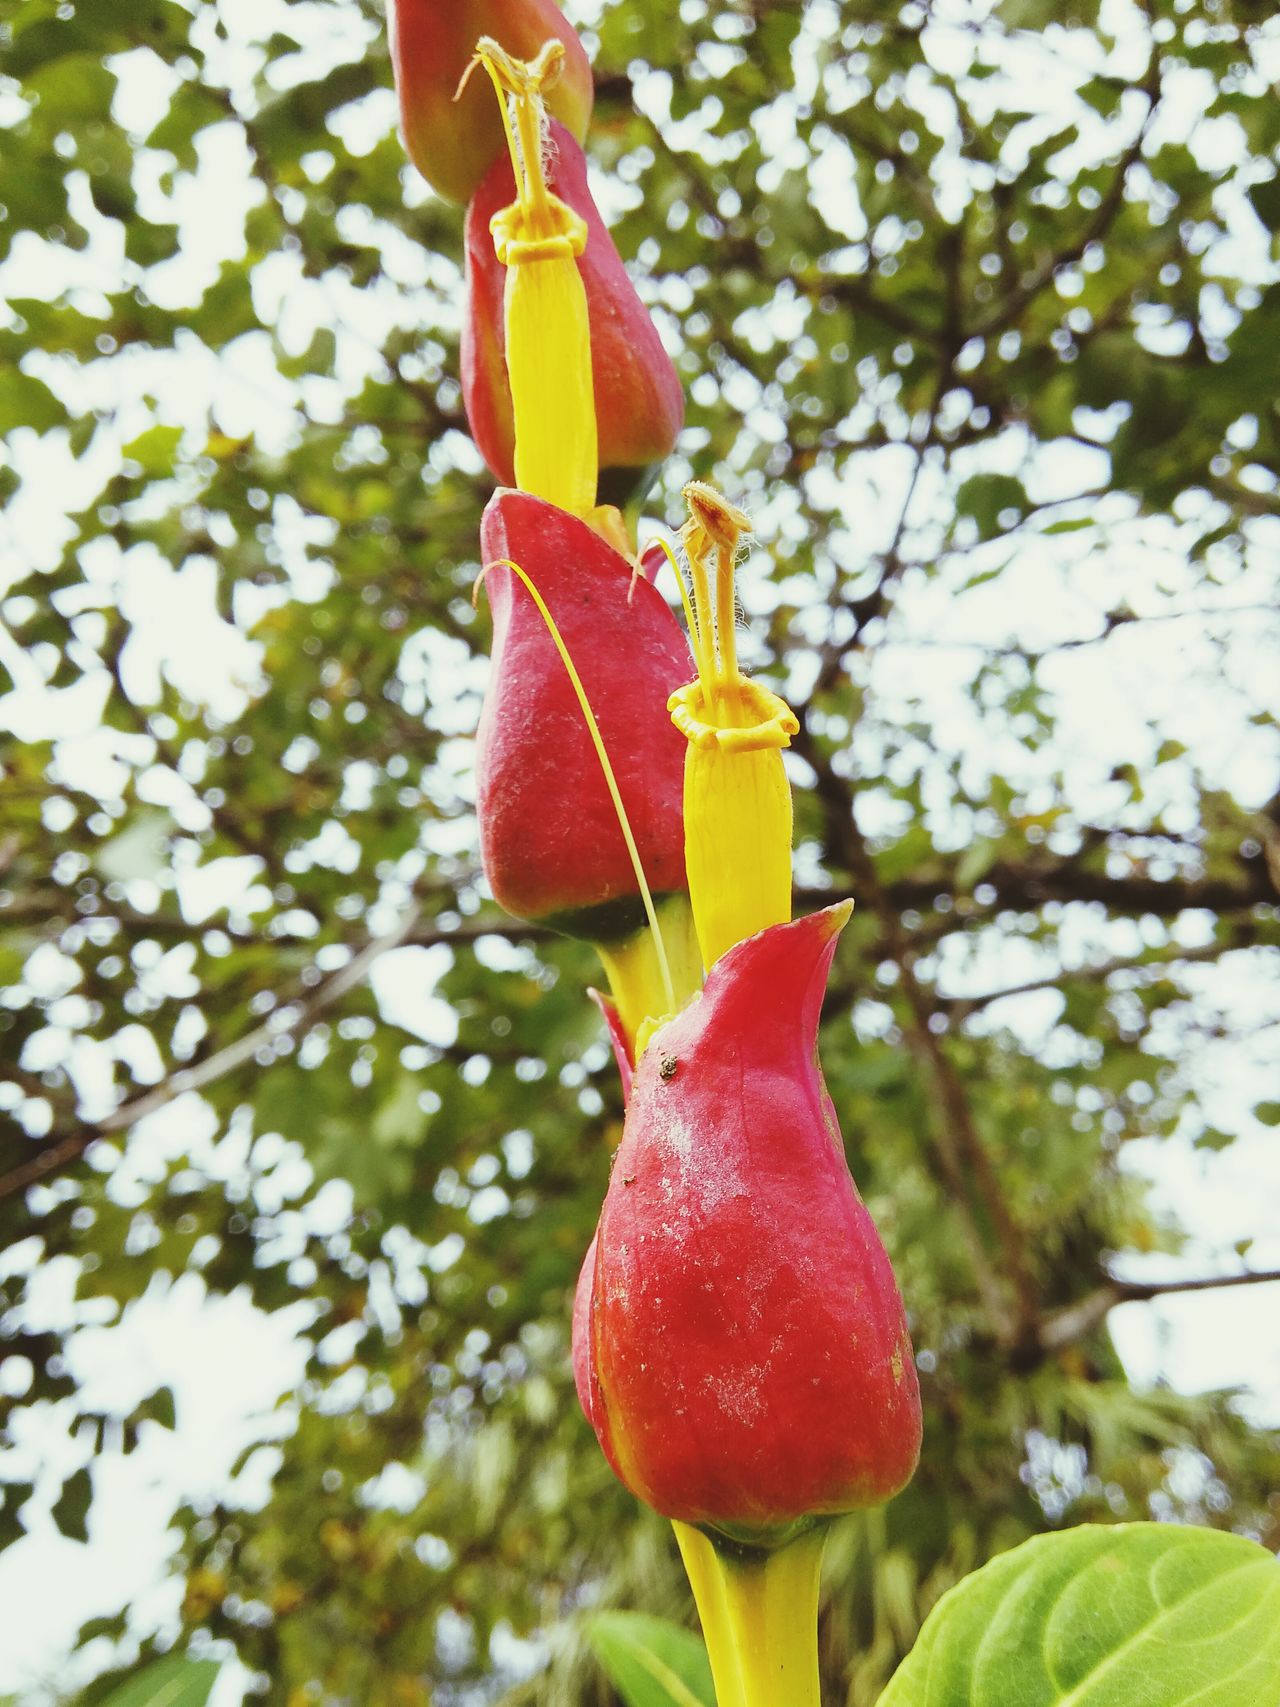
759, 1615
634, 976
611, 782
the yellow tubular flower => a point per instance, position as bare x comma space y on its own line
538, 239
737, 801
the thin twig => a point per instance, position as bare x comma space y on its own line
962, 1006
1077, 1321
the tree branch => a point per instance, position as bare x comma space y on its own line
962, 1159
286, 1022
1009, 309
1032, 885
1077, 1321
961, 1007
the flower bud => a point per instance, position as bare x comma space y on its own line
619, 1042
639, 406
453, 143
553, 848
743, 1343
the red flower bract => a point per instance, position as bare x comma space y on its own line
454, 143
549, 835
639, 403
740, 1342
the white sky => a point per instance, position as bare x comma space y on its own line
228, 1363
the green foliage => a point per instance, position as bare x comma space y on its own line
71, 1508
652, 1662
1105, 1618
981, 325
175, 1682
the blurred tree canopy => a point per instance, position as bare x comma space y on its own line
978, 309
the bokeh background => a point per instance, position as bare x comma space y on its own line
301, 1142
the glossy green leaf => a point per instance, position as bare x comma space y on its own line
1157, 1614
652, 1662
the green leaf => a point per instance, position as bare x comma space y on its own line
154, 451
994, 501
1105, 1617
16, 1495
1071, 524
651, 1662
976, 862
1266, 202
159, 1407
74, 87
1213, 1139
28, 402
192, 109
173, 1682
1268, 1113
71, 1508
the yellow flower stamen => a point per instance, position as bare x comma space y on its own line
611, 781
695, 639
737, 801
538, 239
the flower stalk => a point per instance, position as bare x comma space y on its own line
759, 1615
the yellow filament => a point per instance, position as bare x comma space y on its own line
715, 524
759, 1616
611, 781
548, 331
726, 615
695, 637
702, 606
526, 81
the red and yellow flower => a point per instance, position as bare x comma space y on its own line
568, 390
740, 1346
454, 137
553, 847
